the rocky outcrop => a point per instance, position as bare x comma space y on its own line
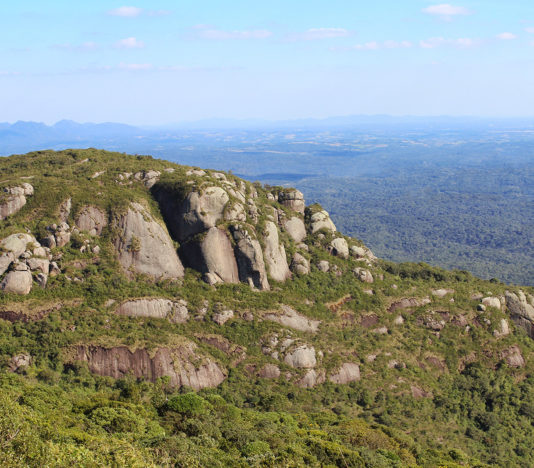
17, 244
183, 365
293, 199
213, 255
340, 248
144, 246
492, 302
299, 264
92, 220
18, 281
513, 357
363, 275
292, 319
442, 292
269, 371
64, 210
321, 220
249, 257
275, 254
295, 228
302, 356
407, 303
174, 311
521, 309
13, 199
348, 372
220, 318
312, 378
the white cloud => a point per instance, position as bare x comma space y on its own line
446, 11
506, 36
462, 42
320, 33
530, 30
135, 66
205, 32
374, 45
129, 43
126, 11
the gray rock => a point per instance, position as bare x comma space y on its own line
321, 220
220, 318
299, 264
54, 269
301, 357
363, 275
17, 282
521, 309
324, 266
311, 378
340, 247
41, 279
269, 371
17, 243
49, 241
492, 302
292, 319
64, 210
174, 311
293, 199
212, 255
5, 260
19, 361
144, 245
41, 264
295, 228
92, 220
62, 238
442, 292
15, 199
249, 258
275, 254
513, 357
348, 372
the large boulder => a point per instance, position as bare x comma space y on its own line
348, 372
299, 264
293, 199
14, 198
292, 319
301, 357
213, 255
17, 282
6, 259
174, 311
321, 220
521, 309
17, 244
311, 378
92, 220
340, 248
295, 228
249, 257
198, 212
144, 245
275, 254
182, 364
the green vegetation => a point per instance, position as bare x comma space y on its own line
436, 388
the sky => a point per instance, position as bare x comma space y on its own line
162, 62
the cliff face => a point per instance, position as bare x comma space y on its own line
153, 250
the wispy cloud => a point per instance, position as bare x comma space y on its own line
126, 11
136, 66
84, 47
313, 34
8, 73
207, 32
530, 30
506, 36
129, 43
133, 12
446, 11
375, 45
462, 42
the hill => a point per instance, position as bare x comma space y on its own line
154, 314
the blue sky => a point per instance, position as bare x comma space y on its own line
162, 62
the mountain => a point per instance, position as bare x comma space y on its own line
155, 314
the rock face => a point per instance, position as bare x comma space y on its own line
144, 245
92, 220
17, 282
301, 357
521, 308
174, 311
269, 371
14, 199
293, 199
321, 220
292, 319
348, 372
212, 255
340, 248
295, 228
311, 378
180, 364
249, 259
275, 254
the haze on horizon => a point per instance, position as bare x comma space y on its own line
161, 62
